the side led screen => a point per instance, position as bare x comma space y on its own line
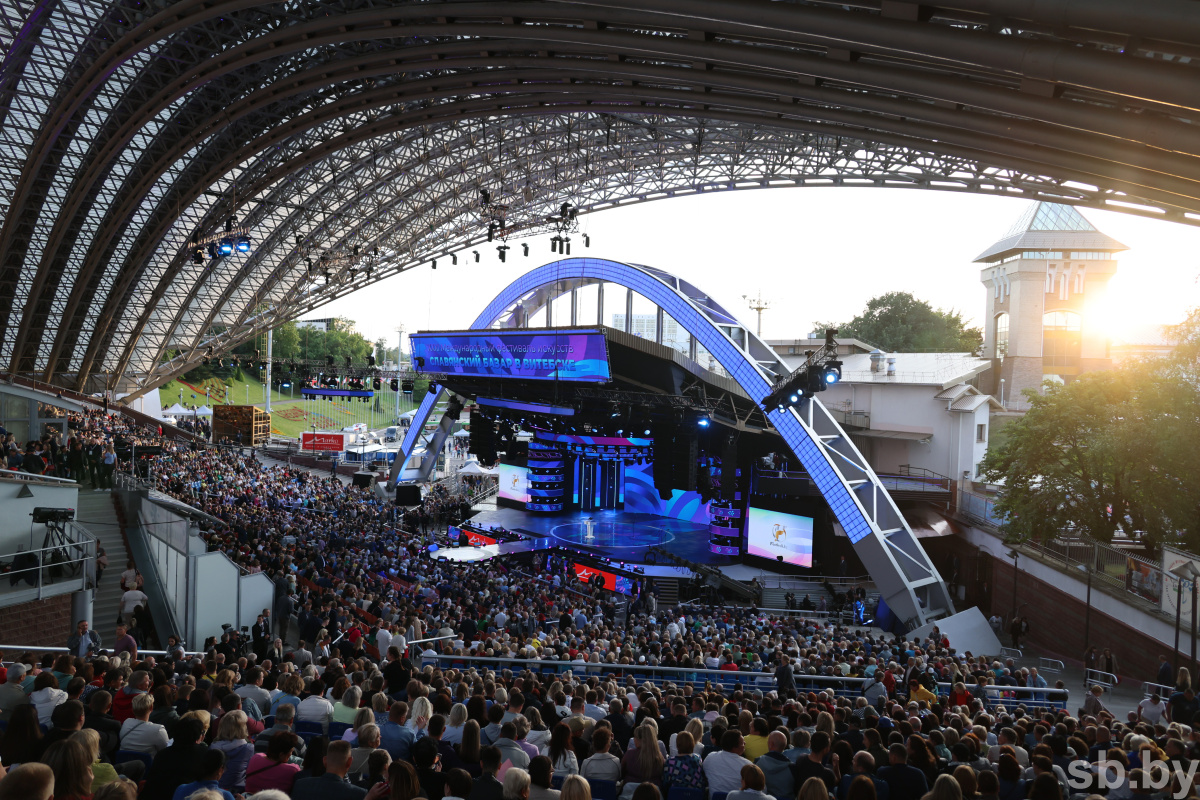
514, 483
562, 355
770, 534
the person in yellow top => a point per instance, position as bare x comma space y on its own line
102, 773
756, 741
918, 692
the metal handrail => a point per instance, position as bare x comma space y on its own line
39, 649
729, 676
1149, 688
29, 477
1100, 678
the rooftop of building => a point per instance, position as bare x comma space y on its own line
1050, 227
917, 369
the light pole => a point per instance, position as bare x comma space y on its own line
1014, 555
399, 352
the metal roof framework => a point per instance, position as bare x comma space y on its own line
126, 128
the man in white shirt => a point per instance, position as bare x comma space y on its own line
724, 767
383, 638
138, 732
316, 708
1008, 736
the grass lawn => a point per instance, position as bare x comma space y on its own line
288, 413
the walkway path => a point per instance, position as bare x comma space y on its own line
96, 513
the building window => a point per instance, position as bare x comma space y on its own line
981, 432
1061, 321
1001, 335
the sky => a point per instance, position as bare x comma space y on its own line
813, 253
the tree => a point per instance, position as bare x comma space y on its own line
897, 322
1111, 451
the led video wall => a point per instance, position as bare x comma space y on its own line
770, 534
514, 484
563, 355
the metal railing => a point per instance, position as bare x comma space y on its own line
65, 565
1095, 677
1007, 696
1011, 652
29, 477
1161, 689
20, 648
1050, 665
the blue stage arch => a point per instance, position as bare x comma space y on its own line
908, 583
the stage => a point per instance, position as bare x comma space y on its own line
617, 535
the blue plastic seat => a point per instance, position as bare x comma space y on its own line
336, 729
269, 721
607, 790
556, 782
303, 727
719, 795
681, 793
134, 755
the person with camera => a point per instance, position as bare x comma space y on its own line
85, 642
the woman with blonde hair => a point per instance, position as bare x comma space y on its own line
233, 739
945, 788
644, 762
825, 723
575, 788
365, 716
695, 727
454, 725
72, 766
102, 772
419, 714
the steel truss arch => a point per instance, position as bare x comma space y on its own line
907, 580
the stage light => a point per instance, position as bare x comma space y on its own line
225, 248
525, 249
377, 384
646, 432
198, 255
394, 384
795, 398
703, 422
243, 244
587, 240
347, 360
454, 259
503, 251
434, 263
212, 250
476, 252
370, 361
230, 223
833, 372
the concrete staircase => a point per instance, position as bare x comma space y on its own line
97, 513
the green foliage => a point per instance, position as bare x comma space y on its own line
1112, 451
900, 323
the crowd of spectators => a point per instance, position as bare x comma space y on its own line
360, 682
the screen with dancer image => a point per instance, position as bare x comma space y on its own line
514, 484
770, 534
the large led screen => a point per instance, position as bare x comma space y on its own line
642, 498
770, 534
514, 483
563, 355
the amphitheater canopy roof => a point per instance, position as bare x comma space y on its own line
364, 132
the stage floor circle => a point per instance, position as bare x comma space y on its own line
603, 533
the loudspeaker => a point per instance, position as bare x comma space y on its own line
684, 455
663, 466
483, 438
408, 494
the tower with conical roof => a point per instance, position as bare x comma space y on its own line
1041, 280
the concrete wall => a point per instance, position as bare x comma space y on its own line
1054, 603
15, 521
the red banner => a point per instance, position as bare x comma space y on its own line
321, 441
478, 539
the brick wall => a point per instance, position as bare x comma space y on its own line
41, 623
1056, 619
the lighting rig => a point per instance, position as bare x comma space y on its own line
339, 264
821, 369
495, 216
232, 238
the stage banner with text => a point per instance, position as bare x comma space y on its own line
323, 441
564, 355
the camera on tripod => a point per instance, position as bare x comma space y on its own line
43, 515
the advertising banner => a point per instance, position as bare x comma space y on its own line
1144, 580
563, 355
323, 441
771, 534
1173, 588
609, 580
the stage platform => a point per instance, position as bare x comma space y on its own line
618, 535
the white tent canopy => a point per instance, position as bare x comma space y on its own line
175, 409
203, 411
408, 414
473, 468
461, 434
